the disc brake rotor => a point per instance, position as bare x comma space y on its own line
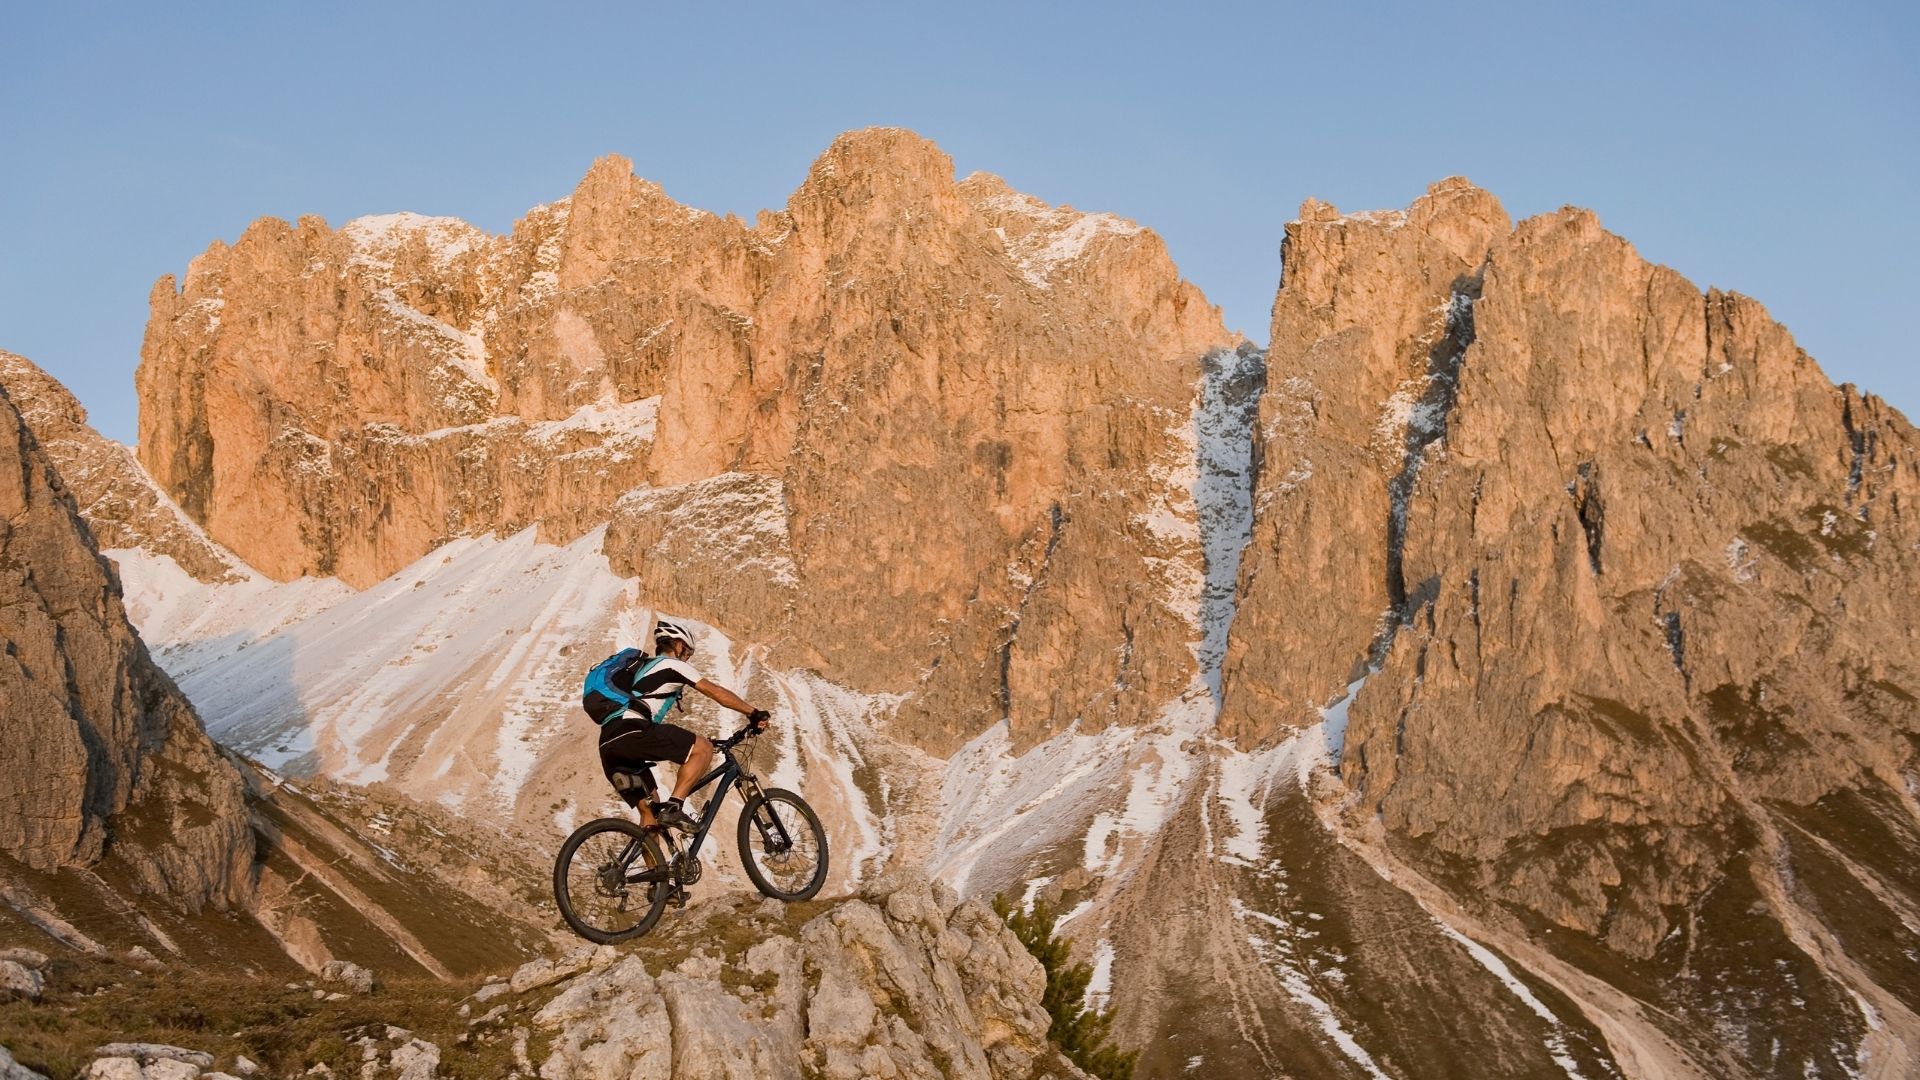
608, 881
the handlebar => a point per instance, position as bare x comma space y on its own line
737, 738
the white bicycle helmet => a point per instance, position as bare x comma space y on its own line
664, 630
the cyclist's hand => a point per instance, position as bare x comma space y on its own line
757, 720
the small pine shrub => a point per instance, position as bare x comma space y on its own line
1081, 1033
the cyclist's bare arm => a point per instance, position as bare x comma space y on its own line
727, 698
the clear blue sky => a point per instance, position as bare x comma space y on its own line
1764, 147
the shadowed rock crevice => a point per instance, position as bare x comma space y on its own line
1426, 426
1591, 508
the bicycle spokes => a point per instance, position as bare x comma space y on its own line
786, 853
610, 881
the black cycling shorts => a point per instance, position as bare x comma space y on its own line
631, 742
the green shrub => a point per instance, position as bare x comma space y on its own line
1081, 1033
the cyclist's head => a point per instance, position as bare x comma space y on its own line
671, 639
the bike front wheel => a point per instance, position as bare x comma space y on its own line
610, 881
783, 845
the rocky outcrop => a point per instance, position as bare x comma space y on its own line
106, 758
121, 504
342, 401
1619, 579
904, 981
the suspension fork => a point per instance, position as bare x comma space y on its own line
773, 831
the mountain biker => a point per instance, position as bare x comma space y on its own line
634, 737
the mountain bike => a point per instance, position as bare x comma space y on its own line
614, 877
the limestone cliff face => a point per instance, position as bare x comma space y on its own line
1357, 326
972, 410
105, 757
1626, 578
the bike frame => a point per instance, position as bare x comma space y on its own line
727, 774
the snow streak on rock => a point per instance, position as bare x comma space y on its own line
1309, 972
1056, 237
1245, 783
1425, 424
825, 729
1074, 802
1230, 387
1557, 1032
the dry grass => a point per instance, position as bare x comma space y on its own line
283, 1029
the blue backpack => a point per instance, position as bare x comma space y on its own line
609, 686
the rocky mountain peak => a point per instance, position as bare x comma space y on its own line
881, 159
352, 400
106, 757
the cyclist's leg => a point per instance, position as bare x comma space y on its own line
698, 760
665, 742
622, 751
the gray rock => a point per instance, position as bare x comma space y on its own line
148, 1053
13, 1070
114, 1068
245, 1066
610, 1024
520, 1056
19, 980
543, 972
347, 975
911, 983
416, 1059
32, 958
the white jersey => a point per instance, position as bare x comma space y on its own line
663, 683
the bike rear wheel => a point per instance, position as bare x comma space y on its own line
783, 845
610, 881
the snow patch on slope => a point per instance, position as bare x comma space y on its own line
1244, 783
1098, 797
1334, 716
378, 237
1054, 237
1299, 977
457, 680
1486, 958
820, 728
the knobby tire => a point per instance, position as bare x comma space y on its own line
802, 827
578, 887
